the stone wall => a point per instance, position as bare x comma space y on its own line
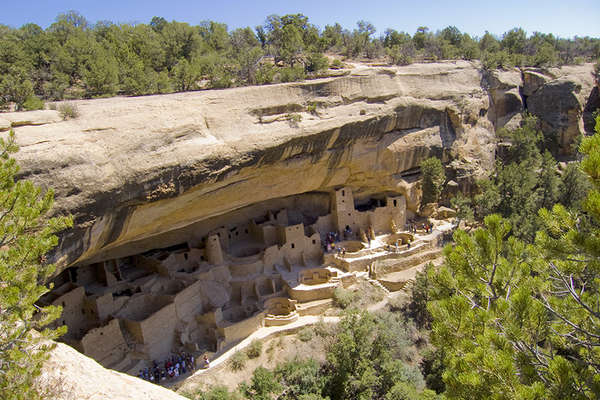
105, 344
189, 302
235, 332
73, 304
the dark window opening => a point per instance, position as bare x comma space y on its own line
73, 274
185, 255
293, 245
395, 203
246, 230
229, 236
343, 192
314, 241
126, 292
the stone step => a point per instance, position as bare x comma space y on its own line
379, 285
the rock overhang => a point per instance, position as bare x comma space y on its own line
130, 169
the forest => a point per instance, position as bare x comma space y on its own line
74, 58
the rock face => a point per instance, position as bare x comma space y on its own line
70, 375
563, 100
137, 172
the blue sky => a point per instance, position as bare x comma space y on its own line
563, 18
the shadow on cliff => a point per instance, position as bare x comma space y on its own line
592, 105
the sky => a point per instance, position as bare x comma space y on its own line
562, 18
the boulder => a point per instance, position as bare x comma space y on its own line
428, 210
533, 79
444, 213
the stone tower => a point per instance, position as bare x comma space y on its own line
214, 253
343, 209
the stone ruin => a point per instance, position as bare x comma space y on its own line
211, 292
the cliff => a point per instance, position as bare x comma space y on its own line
69, 375
137, 172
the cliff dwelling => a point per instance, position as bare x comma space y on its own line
234, 273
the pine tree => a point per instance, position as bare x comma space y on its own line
573, 186
517, 321
25, 237
570, 245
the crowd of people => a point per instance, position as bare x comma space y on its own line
412, 227
171, 368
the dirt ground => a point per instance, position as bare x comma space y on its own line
275, 350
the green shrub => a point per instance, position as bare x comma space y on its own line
317, 62
214, 393
237, 362
337, 64
292, 74
264, 74
68, 111
302, 379
262, 385
305, 334
398, 56
401, 391
312, 108
324, 329
255, 349
343, 297
33, 103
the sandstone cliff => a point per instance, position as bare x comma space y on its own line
137, 172
69, 375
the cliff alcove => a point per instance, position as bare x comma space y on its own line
194, 211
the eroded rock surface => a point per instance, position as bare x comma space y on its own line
134, 171
561, 102
69, 375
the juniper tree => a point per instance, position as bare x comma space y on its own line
433, 179
26, 235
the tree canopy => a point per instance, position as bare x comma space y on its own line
521, 321
74, 58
